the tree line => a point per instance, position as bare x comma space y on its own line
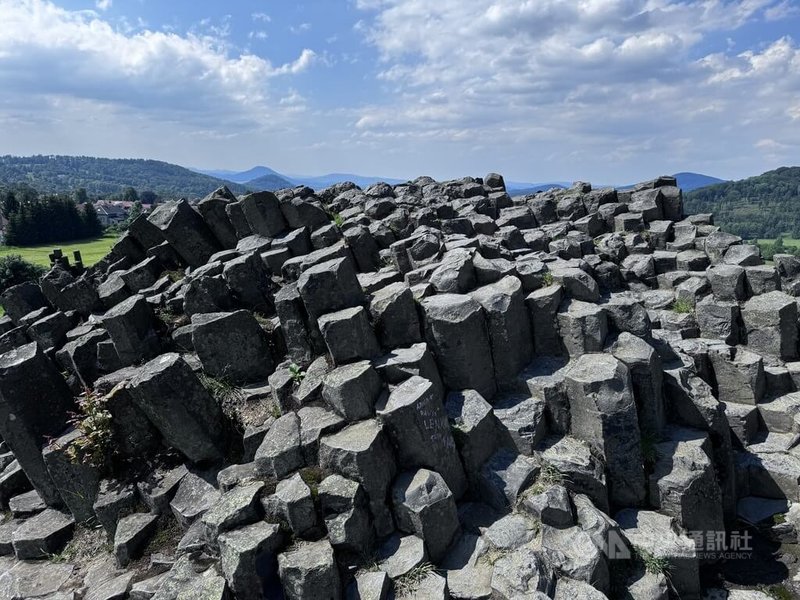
33, 219
765, 206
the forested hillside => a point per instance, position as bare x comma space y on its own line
765, 206
105, 176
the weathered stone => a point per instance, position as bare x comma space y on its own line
186, 231
249, 281
456, 330
509, 328
248, 557
718, 319
362, 452
604, 414
352, 390
193, 498
22, 299
583, 471
131, 325
345, 508
418, 426
77, 482
348, 335
400, 555
45, 534
280, 453
132, 535
394, 313
310, 571
658, 535
293, 504
330, 286
425, 506
771, 323
645, 368
505, 476
551, 507
369, 585
739, 374
402, 363
521, 575
32, 409
263, 213
175, 401
234, 508
583, 327
114, 499
522, 419
232, 346
683, 483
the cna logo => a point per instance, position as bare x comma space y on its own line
616, 548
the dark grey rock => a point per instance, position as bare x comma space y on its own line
232, 346
425, 506
456, 330
132, 535
40, 536
175, 401
33, 422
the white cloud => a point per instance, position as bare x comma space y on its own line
52, 53
260, 16
103, 4
550, 76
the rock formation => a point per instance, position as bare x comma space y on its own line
428, 390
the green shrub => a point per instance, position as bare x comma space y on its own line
15, 270
95, 447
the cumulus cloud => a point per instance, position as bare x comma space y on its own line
587, 74
103, 4
54, 54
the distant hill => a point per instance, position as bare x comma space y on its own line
104, 176
765, 206
269, 183
249, 175
322, 181
692, 181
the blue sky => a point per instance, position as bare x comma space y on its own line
540, 90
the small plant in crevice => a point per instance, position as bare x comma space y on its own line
547, 279
657, 565
337, 219
409, 583
229, 396
681, 305
296, 373
548, 477
312, 476
93, 420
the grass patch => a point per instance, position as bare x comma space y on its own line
682, 305
656, 565
91, 250
492, 555
87, 543
779, 592
408, 584
313, 476
547, 279
548, 477
229, 396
